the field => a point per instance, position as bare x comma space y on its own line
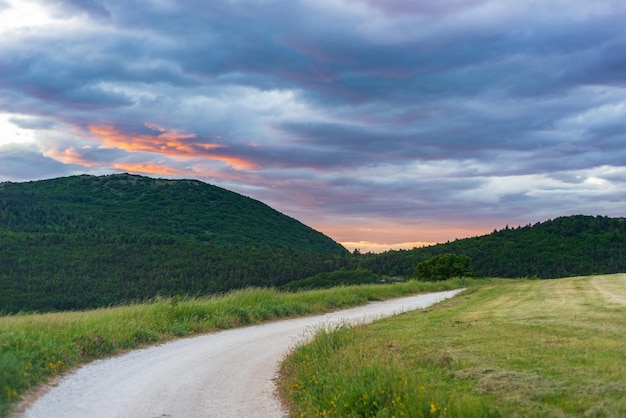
35, 348
524, 348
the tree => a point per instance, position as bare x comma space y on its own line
444, 266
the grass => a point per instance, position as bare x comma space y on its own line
36, 347
525, 348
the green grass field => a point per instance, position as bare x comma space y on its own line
34, 348
525, 348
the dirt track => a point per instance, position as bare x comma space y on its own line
227, 374
610, 289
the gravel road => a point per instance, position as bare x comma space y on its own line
226, 374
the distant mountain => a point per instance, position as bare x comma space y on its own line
565, 246
86, 241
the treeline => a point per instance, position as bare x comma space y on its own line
47, 271
44, 272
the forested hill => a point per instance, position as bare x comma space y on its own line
84, 242
565, 246
131, 205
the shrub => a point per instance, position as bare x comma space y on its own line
443, 267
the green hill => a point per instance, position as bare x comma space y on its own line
85, 241
566, 246
133, 205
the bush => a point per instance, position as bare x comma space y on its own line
443, 267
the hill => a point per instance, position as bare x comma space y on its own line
566, 246
135, 205
84, 241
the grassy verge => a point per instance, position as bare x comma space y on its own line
34, 348
519, 349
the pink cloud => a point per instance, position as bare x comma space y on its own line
169, 142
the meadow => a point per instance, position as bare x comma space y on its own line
523, 348
37, 347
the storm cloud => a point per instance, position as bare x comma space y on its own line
382, 122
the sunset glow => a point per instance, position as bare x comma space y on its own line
172, 142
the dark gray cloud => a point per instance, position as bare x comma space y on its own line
414, 112
25, 162
32, 123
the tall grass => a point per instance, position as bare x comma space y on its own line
518, 349
34, 348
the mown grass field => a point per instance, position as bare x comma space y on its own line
525, 348
34, 348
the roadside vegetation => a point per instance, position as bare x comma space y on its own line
527, 348
37, 347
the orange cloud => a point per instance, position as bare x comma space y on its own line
70, 156
73, 156
149, 168
162, 169
237, 163
170, 142
167, 142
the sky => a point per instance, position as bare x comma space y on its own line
384, 124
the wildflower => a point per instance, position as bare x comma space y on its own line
10, 392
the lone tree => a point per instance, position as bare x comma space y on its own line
444, 266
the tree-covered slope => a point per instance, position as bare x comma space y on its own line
565, 246
84, 242
127, 204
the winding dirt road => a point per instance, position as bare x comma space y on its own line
227, 374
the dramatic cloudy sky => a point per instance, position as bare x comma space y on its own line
379, 122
